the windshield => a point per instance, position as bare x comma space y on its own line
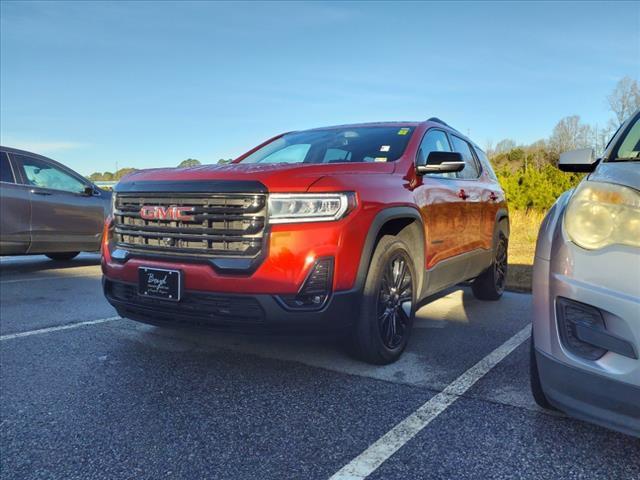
336, 145
629, 149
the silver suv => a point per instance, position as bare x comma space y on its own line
586, 290
48, 208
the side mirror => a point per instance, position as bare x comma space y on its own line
582, 160
88, 191
441, 162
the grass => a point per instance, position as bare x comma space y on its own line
522, 245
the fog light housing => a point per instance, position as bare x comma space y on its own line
571, 316
315, 290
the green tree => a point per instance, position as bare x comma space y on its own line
189, 162
122, 172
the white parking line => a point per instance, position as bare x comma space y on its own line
56, 329
33, 279
368, 461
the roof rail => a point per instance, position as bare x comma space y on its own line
437, 120
442, 122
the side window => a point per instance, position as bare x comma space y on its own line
6, 174
42, 174
486, 164
471, 167
434, 141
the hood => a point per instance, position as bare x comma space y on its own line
281, 177
621, 173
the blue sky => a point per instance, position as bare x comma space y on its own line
150, 84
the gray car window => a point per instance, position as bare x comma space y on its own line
6, 174
42, 174
630, 147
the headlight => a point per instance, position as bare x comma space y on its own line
602, 214
113, 202
309, 207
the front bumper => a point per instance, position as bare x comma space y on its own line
605, 390
233, 312
591, 397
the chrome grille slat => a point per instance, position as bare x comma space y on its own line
223, 225
254, 228
184, 236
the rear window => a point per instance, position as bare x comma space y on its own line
336, 145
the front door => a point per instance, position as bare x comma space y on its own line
63, 217
441, 206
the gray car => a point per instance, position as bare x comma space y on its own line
586, 290
48, 208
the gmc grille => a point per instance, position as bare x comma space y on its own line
222, 225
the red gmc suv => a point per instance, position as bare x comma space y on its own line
345, 228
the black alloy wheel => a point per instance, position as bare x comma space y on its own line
500, 265
395, 302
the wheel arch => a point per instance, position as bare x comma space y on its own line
501, 226
405, 222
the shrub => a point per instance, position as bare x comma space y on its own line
535, 187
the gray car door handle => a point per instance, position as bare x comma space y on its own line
40, 192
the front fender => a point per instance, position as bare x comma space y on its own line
381, 218
549, 226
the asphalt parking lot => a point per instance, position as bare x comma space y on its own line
86, 395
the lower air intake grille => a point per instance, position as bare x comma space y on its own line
218, 307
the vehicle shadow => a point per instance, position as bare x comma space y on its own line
39, 263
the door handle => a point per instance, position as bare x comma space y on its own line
462, 194
39, 192
493, 197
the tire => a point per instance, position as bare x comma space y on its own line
387, 311
534, 378
62, 255
490, 284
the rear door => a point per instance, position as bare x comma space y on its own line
63, 217
15, 210
492, 198
470, 192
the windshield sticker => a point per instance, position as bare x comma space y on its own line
385, 148
403, 131
380, 159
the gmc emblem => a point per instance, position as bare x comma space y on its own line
154, 212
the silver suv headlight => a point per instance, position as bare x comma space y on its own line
602, 214
309, 207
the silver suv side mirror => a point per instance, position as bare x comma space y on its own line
581, 160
